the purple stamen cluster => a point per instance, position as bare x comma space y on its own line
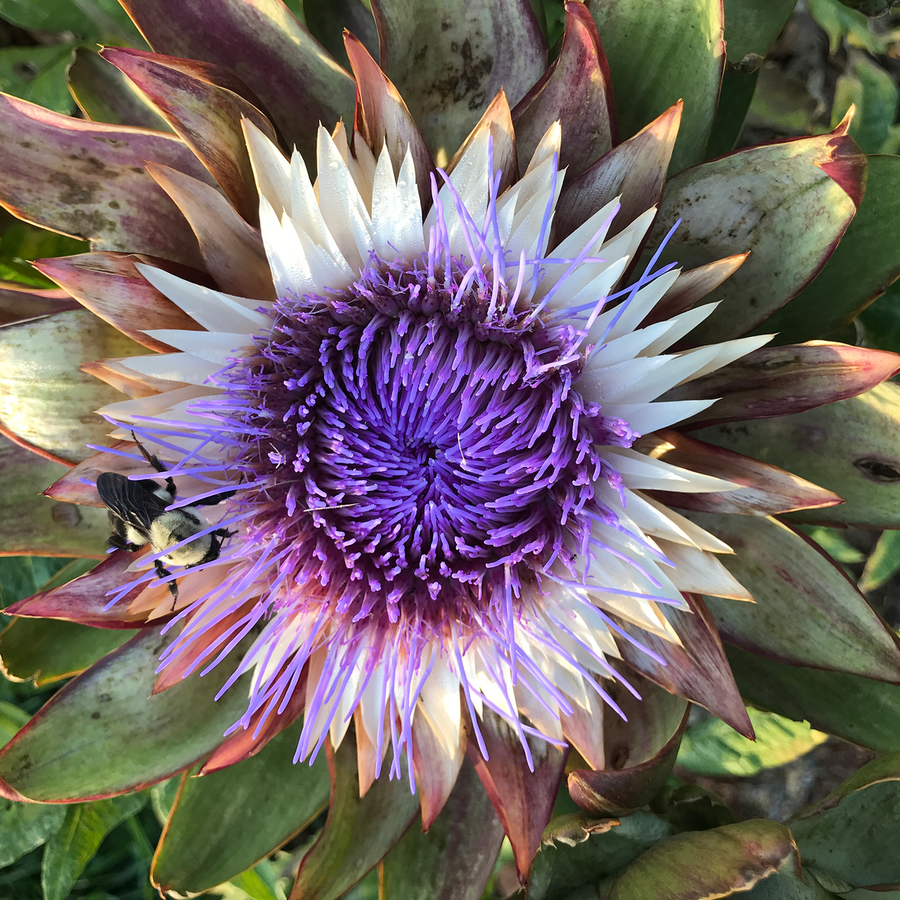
419, 455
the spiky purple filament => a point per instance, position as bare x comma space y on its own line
417, 460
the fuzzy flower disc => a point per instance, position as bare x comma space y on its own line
416, 460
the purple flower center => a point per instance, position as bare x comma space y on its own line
419, 461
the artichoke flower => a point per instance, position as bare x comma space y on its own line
426, 378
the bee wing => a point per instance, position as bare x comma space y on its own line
133, 502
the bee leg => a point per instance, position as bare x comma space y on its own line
224, 533
120, 543
154, 461
163, 572
151, 458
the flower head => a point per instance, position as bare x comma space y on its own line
429, 435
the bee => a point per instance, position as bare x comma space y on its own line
138, 515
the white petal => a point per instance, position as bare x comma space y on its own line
573, 610
647, 417
214, 346
361, 164
530, 229
555, 667
663, 373
372, 703
547, 147
342, 206
306, 215
656, 519
590, 234
584, 730
658, 336
701, 573
270, 169
585, 240
213, 310
534, 701
326, 270
345, 696
396, 210
163, 406
469, 181
290, 270
628, 315
646, 473
440, 704
174, 367
677, 327
644, 614
615, 384
725, 353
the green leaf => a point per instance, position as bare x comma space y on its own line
881, 321
253, 885
551, 17
22, 576
22, 242
841, 23
873, 92
862, 266
367, 889
163, 796
689, 807
104, 94
47, 650
735, 97
99, 20
883, 563
735, 857
454, 859
257, 805
833, 542
48, 402
49, 167
851, 447
782, 105
713, 748
38, 74
787, 203
787, 887
30, 523
261, 43
327, 21
359, 831
869, 7
884, 768
856, 840
806, 611
660, 53
11, 720
24, 826
448, 65
560, 869
851, 707
75, 844
105, 733
752, 25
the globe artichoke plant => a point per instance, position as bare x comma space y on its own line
481, 406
